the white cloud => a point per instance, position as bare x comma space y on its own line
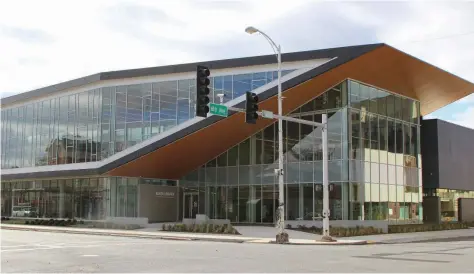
54, 41
83, 43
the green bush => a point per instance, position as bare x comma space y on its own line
425, 227
343, 231
201, 228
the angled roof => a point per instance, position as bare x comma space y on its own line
219, 64
378, 64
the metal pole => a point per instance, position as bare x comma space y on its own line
281, 197
326, 212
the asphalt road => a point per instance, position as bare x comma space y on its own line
28, 251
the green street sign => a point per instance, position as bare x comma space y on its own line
219, 110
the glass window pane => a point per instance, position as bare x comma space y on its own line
364, 97
407, 109
233, 156
383, 139
391, 141
244, 152
222, 159
374, 97
269, 133
374, 138
398, 107
242, 84
382, 102
354, 94
407, 140
415, 112
391, 106
269, 156
399, 144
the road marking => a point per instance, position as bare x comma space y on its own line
86, 245
89, 255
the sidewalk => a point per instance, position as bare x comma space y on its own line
430, 236
183, 236
399, 238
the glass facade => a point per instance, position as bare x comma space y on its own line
84, 198
449, 201
92, 125
384, 150
374, 163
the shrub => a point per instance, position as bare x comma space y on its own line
343, 231
425, 227
201, 228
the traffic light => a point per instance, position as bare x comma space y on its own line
251, 108
202, 91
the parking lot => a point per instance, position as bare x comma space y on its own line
29, 251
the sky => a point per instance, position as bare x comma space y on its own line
46, 42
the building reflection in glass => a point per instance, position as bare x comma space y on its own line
92, 125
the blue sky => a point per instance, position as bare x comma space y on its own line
54, 41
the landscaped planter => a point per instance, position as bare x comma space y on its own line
201, 228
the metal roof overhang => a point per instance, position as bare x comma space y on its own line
174, 155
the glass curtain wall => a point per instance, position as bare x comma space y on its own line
84, 198
95, 124
240, 184
374, 163
384, 143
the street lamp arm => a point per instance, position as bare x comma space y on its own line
275, 47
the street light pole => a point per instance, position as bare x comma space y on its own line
326, 235
281, 197
281, 237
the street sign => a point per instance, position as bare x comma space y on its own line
267, 114
219, 110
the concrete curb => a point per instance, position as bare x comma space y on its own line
129, 235
179, 238
326, 243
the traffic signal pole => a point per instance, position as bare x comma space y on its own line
323, 125
251, 116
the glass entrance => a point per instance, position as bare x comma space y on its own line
190, 205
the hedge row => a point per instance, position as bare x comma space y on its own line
341, 231
53, 222
425, 227
201, 228
361, 231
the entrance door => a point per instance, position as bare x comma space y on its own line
190, 205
